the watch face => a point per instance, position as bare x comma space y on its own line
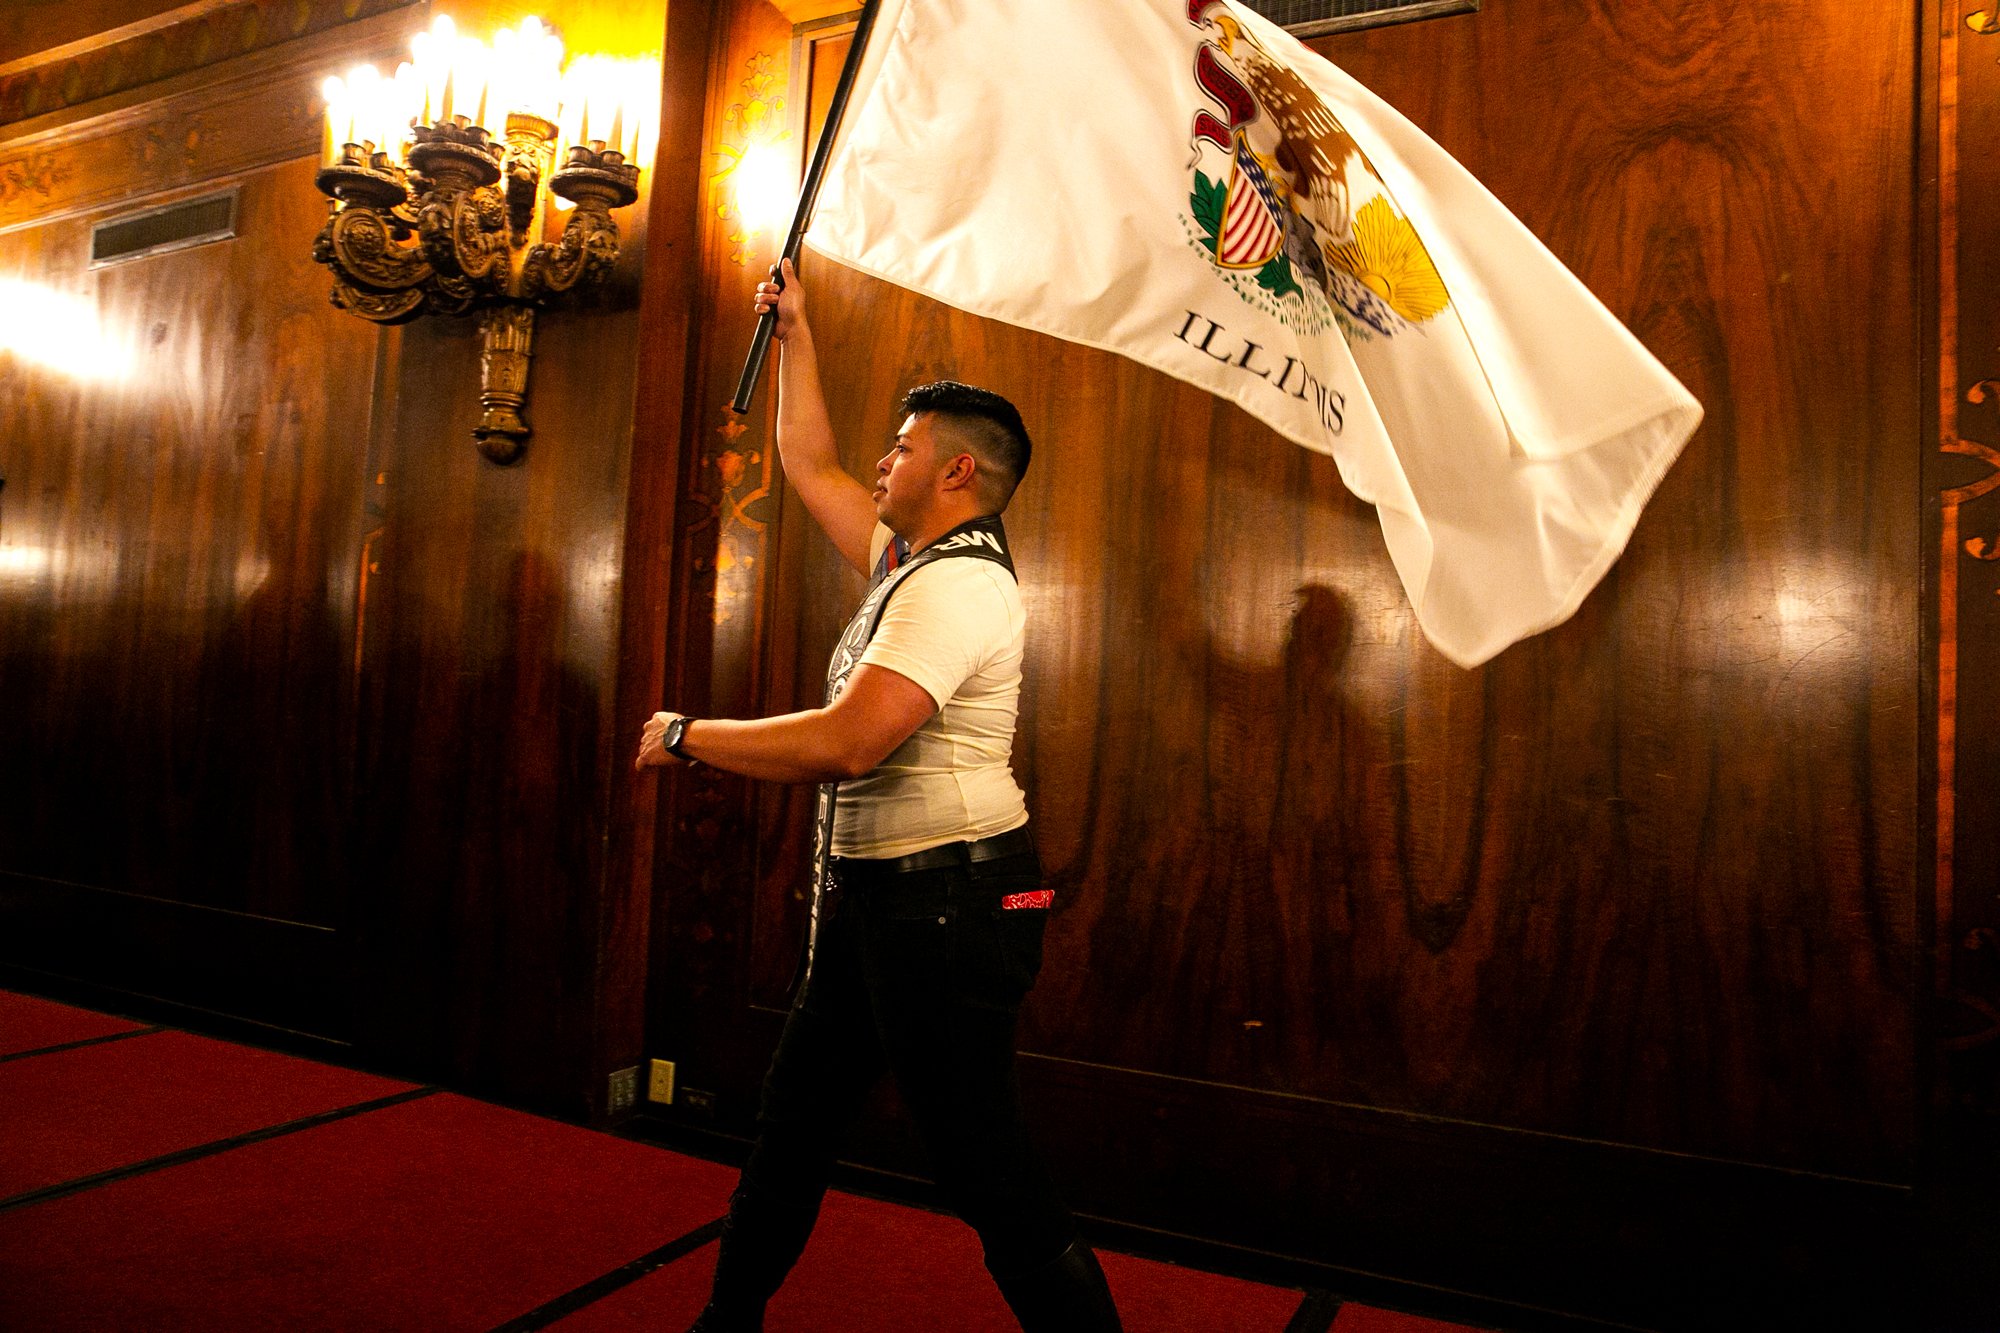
670, 741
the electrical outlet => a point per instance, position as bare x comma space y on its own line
624, 1090
660, 1088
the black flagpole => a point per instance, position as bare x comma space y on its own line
760, 345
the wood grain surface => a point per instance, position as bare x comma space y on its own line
317, 710
1966, 476
492, 742
178, 636
29, 28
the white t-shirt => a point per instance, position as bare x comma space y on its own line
956, 628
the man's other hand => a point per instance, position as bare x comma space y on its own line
790, 301
651, 753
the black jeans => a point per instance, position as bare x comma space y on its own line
921, 975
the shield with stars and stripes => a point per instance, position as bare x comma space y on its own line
1253, 219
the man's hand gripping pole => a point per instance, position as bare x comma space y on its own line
760, 343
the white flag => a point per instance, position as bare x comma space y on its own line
1184, 183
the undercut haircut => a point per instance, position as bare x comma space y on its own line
983, 424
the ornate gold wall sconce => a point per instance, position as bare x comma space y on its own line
432, 214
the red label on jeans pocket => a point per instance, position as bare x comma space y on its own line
1016, 901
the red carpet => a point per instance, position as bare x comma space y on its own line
890, 1269
28, 1024
74, 1113
666, 1300
1368, 1319
439, 1214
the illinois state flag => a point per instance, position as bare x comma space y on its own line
1184, 183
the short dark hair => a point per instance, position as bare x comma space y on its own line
988, 425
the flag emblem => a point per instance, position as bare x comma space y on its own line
1296, 220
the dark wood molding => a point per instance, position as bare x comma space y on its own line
290, 975
251, 112
670, 312
134, 58
1595, 1229
1356, 1195
1324, 19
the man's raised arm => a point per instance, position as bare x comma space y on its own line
842, 505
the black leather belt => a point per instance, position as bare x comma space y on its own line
1014, 842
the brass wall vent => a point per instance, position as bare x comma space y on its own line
212, 217
1312, 18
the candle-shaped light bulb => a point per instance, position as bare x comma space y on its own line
404, 103
420, 54
469, 78
433, 50
603, 106
446, 43
569, 126
334, 90
503, 89
575, 114
511, 75
645, 133
545, 70
364, 92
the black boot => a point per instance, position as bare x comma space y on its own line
745, 1279
1065, 1295
714, 1320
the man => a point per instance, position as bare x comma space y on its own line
928, 910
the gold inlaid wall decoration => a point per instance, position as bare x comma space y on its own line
37, 174
752, 186
1978, 547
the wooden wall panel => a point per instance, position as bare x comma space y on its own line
1644, 885
183, 545
177, 630
489, 661
494, 748
717, 833
316, 699
1962, 587
1967, 478
668, 316
1732, 719
180, 615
